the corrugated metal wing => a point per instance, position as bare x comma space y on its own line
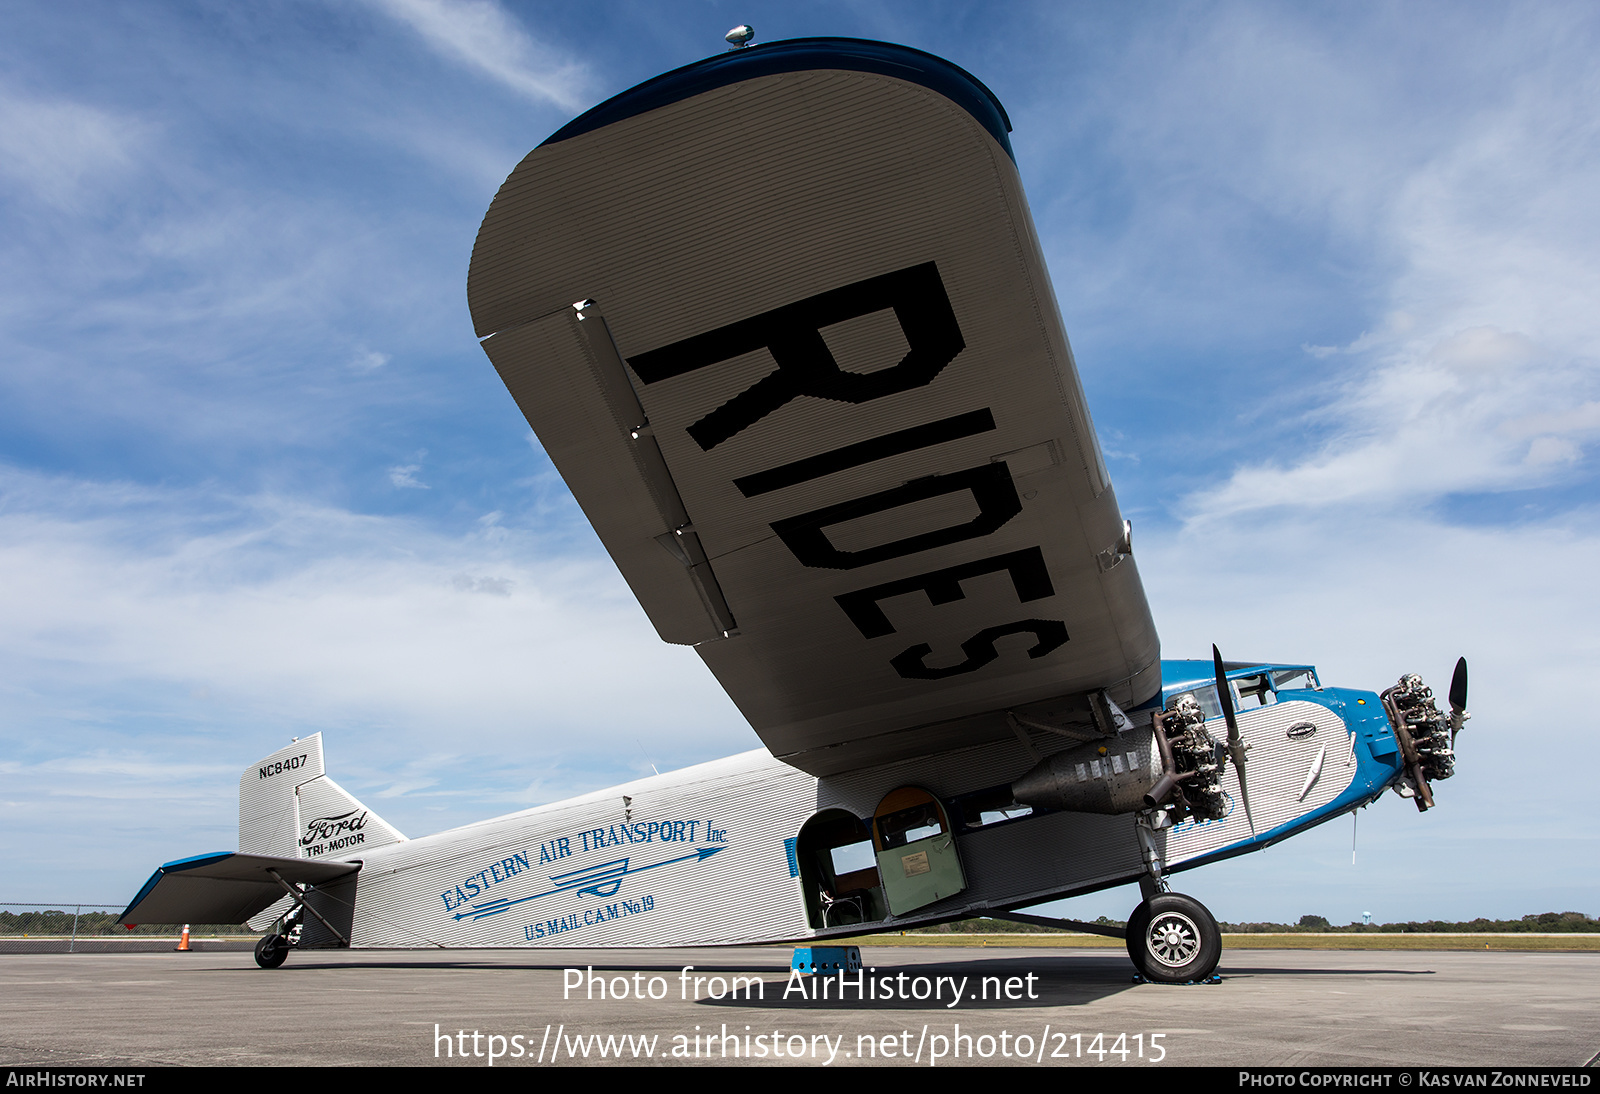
869, 489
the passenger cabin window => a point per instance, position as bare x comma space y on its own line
909, 825
856, 856
982, 808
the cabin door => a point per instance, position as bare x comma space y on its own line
916, 850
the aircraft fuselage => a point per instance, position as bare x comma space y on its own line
718, 853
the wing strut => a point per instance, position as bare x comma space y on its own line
1064, 924
298, 895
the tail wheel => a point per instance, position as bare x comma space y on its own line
272, 951
1177, 940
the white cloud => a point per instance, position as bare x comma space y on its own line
406, 477
1484, 374
366, 360
63, 150
1579, 421
492, 586
308, 615
482, 35
1552, 450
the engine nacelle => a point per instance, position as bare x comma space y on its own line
1107, 776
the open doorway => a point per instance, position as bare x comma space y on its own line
839, 871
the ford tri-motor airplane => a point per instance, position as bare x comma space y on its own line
782, 322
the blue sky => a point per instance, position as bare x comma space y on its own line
1329, 271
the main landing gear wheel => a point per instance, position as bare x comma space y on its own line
1138, 922
1173, 939
272, 951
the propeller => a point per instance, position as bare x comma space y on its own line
1458, 699
1236, 745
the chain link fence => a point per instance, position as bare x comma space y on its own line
76, 922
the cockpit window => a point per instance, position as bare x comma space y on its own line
1254, 691
1249, 692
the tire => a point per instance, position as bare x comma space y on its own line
1138, 921
1179, 941
272, 951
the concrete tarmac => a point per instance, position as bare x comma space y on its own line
1044, 1007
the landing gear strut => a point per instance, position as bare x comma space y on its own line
1172, 938
273, 949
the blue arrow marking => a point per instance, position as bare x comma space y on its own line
601, 880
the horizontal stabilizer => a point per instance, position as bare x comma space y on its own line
225, 887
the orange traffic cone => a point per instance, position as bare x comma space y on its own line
183, 943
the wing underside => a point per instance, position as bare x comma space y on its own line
226, 887
821, 410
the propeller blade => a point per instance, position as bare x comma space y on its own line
1225, 697
1458, 684
1236, 745
1458, 698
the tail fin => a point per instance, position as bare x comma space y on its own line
289, 808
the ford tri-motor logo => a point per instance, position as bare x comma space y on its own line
327, 828
1300, 731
